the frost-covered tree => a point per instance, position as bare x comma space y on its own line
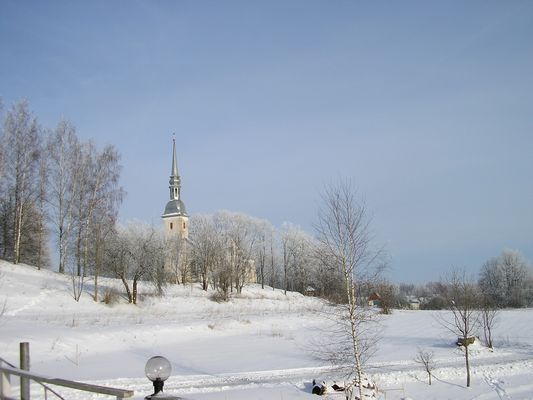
239, 232
100, 197
463, 299
263, 250
136, 252
21, 144
505, 279
64, 155
207, 247
343, 232
296, 254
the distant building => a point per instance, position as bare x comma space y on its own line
175, 220
176, 230
310, 291
374, 300
414, 303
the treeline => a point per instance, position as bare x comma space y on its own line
224, 252
504, 281
227, 250
55, 186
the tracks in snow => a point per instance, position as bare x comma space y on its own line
384, 373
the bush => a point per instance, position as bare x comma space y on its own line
435, 303
219, 296
111, 296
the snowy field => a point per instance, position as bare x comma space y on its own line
257, 346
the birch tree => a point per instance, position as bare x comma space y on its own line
42, 253
505, 279
289, 247
343, 232
239, 233
265, 237
64, 153
100, 209
297, 254
136, 253
207, 246
21, 153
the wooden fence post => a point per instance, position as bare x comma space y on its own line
25, 365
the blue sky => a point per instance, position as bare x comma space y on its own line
426, 106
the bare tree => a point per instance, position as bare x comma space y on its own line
504, 279
81, 213
273, 262
64, 153
21, 145
345, 241
264, 244
239, 232
462, 297
177, 262
425, 357
104, 195
297, 251
43, 255
206, 246
388, 295
489, 317
136, 252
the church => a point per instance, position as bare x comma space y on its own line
176, 231
176, 228
175, 218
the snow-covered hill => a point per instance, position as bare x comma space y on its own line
259, 345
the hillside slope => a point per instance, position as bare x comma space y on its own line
261, 344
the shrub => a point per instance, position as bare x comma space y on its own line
110, 296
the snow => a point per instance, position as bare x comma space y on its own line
257, 346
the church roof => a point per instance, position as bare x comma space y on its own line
175, 207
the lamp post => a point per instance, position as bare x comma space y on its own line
158, 370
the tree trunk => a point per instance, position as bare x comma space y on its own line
61, 251
285, 280
350, 290
78, 253
134, 294
127, 287
467, 366
97, 260
18, 233
272, 277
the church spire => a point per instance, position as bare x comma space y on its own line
175, 218
174, 171
175, 181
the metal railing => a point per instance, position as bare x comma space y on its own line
7, 370
47, 389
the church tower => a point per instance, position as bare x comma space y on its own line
175, 218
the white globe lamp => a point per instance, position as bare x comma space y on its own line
157, 369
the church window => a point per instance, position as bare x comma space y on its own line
184, 225
171, 226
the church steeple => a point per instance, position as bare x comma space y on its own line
175, 206
175, 181
175, 220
